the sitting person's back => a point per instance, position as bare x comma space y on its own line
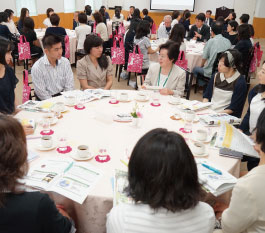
164, 188
244, 44
55, 29
82, 31
4, 30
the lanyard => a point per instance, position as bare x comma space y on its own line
158, 81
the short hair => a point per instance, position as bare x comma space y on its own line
49, 40
172, 48
82, 18
48, 11
145, 11
92, 41
260, 133
88, 10
244, 18
201, 17
209, 11
243, 32
98, 17
9, 12
13, 155
162, 172
132, 7
103, 7
3, 17
177, 33
5, 47
117, 12
28, 24
237, 61
217, 27
233, 24
142, 29
136, 14
175, 14
233, 15
167, 17
55, 19
221, 19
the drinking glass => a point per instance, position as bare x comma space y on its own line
45, 125
63, 143
156, 98
189, 117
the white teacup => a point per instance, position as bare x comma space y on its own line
82, 151
70, 100
198, 148
49, 116
201, 134
46, 141
141, 96
175, 99
124, 96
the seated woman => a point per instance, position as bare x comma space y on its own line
244, 43
82, 30
176, 16
55, 29
95, 69
23, 14
185, 20
101, 29
227, 89
164, 187
31, 37
231, 33
47, 22
246, 209
34, 212
166, 74
177, 35
4, 30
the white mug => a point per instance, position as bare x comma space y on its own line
82, 151
201, 134
198, 148
124, 96
46, 141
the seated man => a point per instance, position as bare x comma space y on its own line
52, 73
214, 46
208, 20
199, 31
164, 28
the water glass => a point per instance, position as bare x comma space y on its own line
189, 117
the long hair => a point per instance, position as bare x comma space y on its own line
178, 33
23, 14
28, 25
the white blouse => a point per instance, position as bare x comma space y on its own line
256, 107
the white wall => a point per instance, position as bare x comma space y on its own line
260, 9
245, 6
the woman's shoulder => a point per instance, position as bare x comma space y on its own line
29, 197
178, 69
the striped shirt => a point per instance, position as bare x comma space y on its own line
49, 80
141, 218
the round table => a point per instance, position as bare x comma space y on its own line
94, 126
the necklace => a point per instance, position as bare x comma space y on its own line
158, 81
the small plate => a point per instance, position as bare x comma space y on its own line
76, 157
125, 101
201, 155
170, 102
205, 141
41, 148
145, 100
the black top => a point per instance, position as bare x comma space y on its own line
204, 31
7, 93
59, 31
32, 212
244, 46
4, 31
185, 23
233, 38
30, 36
19, 25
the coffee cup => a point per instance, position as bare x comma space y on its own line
124, 96
175, 99
82, 151
70, 100
46, 141
141, 96
49, 116
201, 134
198, 148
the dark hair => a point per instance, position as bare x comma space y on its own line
103, 7
117, 12
5, 47
9, 12
13, 155
49, 40
3, 17
175, 15
237, 63
98, 17
136, 14
145, 11
132, 7
92, 41
177, 33
221, 19
260, 133
217, 27
233, 15
186, 15
233, 24
209, 11
49, 10
243, 32
244, 18
102, 12
88, 10
55, 19
28, 25
251, 29
201, 17
172, 49
149, 19
23, 13
142, 29
162, 172
82, 18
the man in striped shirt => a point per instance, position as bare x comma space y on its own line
52, 73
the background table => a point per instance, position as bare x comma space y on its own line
94, 126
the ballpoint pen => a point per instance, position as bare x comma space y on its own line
212, 169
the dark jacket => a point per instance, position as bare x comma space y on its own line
205, 32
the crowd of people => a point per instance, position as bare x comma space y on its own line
168, 188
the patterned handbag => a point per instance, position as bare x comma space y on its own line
23, 49
67, 46
153, 29
135, 62
121, 29
118, 53
183, 63
26, 87
94, 27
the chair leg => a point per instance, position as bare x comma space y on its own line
129, 77
196, 85
116, 71
14, 64
75, 59
120, 70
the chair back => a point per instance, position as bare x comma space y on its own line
246, 64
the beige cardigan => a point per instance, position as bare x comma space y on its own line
176, 81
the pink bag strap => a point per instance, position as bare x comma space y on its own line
26, 77
21, 39
139, 50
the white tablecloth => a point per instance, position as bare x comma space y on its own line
72, 39
94, 126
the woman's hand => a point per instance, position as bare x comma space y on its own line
143, 87
28, 129
166, 91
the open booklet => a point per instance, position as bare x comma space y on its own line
213, 182
218, 118
64, 176
36, 106
232, 138
195, 105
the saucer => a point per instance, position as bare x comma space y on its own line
76, 157
41, 148
208, 139
125, 101
205, 154
170, 102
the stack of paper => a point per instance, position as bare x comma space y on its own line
195, 105
218, 118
